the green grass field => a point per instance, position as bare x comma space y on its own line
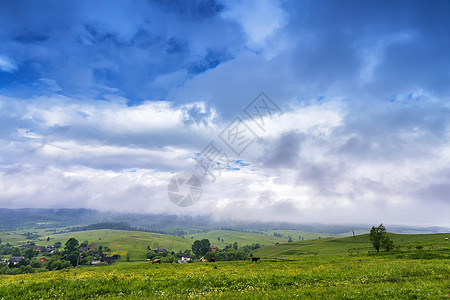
333, 246
333, 271
12, 238
296, 235
120, 241
338, 277
242, 238
136, 242
265, 239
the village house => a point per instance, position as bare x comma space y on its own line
15, 259
187, 257
83, 249
108, 259
103, 258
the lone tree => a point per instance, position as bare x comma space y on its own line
379, 238
71, 251
30, 253
71, 245
235, 246
200, 248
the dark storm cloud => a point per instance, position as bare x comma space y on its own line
335, 39
126, 45
367, 52
375, 49
393, 130
284, 151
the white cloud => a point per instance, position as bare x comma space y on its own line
304, 168
107, 116
259, 19
6, 65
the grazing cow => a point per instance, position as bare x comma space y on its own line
255, 259
156, 261
212, 259
446, 239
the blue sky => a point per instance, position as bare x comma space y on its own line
101, 103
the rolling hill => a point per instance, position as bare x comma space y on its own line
122, 241
230, 236
331, 274
332, 246
136, 242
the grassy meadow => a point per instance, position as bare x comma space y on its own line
340, 277
120, 241
136, 242
325, 268
242, 238
339, 246
266, 239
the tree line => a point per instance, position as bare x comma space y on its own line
202, 248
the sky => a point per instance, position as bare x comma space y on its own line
103, 103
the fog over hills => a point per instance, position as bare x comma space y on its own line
29, 219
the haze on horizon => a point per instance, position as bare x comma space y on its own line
101, 104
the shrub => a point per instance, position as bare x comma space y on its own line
58, 265
36, 264
151, 254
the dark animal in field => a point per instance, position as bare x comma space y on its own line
255, 259
156, 261
212, 259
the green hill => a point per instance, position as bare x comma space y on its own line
328, 246
121, 241
136, 242
297, 235
12, 238
331, 274
230, 236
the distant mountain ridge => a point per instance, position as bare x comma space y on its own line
27, 218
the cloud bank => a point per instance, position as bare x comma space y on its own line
102, 104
